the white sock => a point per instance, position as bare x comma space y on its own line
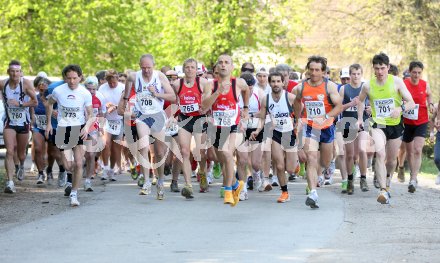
74, 192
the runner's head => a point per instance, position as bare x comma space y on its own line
224, 66
393, 70
215, 71
381, 65
344, 75
122, 77
112, 78
276, 82
171, 75
356, 72
247, 67
72, 75
91, 84
415, 71
249, 78
316, 66
41, 84
190, 68
262, 75
146, 63
14, 70
100, 75
284, 70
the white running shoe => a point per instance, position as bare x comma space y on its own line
20, 173
357, 171
111, 175
104, 175
49, 178
321, 180
275, 181
265, 186
10, 187
62, 179
146, 189
437, 180
312, 199
243, 195
257, 180
88, 186
40, 179
74, 200
383, 197
210, 177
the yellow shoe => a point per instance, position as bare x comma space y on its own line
228, 199
236, 193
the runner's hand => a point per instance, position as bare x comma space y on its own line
396, 112
253, 135
359, 125
48, 130
84, 132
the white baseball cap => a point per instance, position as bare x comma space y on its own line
345, 73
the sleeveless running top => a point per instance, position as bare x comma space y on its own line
419, 115
317, 103
254, 107
280, 111
146, 103
190, 98
225, 110
349, 94
40, 114
384, 99
16, 116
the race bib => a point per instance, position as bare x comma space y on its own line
412, 114
172, 129
384, 107
252, 123
189, 108
70, 115
41, 121
283, 124
352, 109
224, 118
113, 127
314, 109
17, 115
148, 104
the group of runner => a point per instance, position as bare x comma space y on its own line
258, 131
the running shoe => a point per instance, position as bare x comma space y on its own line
88, 186
243, 195
257, 180
49, 178
376, 182
228, 198
312, 200
285, 197
265, 186
133, 173
217, 171
364, 185
383, 197
20, 173
146, 189
302, 170
62, 179
344, 185
112, 176
210, 177
437, 180
160, 191
187, 191
292, 177
203, 183
68, 189
10, 187
154, 181
275, 181
412, 186
74, 200
236, 193
321, 181
174, 187
222, 192
350, 187
141, 180
357, 171
250, 183
332, 167
401, 174
40, 179
104, 175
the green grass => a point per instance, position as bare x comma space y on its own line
428, 168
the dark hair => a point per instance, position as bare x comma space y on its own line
381, 58
394, 70
318, 59
293, 76
40, 80
415, 64
355, 67
110, 74
14, 63
249, 78
243, 67
72, 67
100, 75
275, 74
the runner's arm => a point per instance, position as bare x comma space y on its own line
30, 91
245, 93
169, 94
131, 78
431, 106
209, 97
361, 103
406, 95
297, 104
336, 99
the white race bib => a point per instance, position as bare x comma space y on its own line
113, 126
189, 108
412, 114
224, 118
172, 129
147, 103
41, 121
70, 115
283, 124
384, 107
352, 109
314, 109
252, 123
17, 115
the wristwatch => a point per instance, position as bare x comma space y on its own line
20, 103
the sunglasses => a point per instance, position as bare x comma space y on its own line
247, 70
171, 76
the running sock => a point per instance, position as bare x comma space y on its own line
69, 177
41, 172
284, 188
350, 177
388, 175
363, 176
49, 169
16, 167
74, 192
62, 170
235, 186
